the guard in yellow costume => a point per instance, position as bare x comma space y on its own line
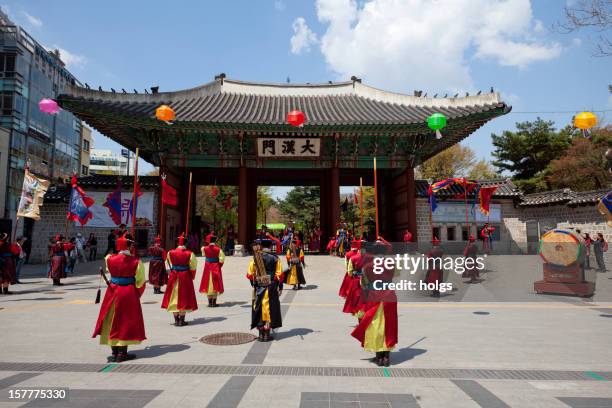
295, 260
120, 321
266, 276
180, 297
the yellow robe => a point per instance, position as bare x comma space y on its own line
292, 279
172, 304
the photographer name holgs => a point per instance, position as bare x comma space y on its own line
412, 264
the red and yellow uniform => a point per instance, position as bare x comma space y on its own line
8, 253
158, 276
295, 260
120, 322
346, 281
180, 297
377, 329
58, 261
212, 278
356, 263
435, 273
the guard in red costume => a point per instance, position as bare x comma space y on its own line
8, 254
471, 252
212, 278
180, 297
120, 321
352, 303
486, 233
58, 261
377, 329
296, 265
158, 276
435, 273
355, 248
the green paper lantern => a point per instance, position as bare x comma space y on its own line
436, 122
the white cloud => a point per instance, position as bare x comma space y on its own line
279, 5
303, 37
424, 44
34, 21
71, 60
576, 42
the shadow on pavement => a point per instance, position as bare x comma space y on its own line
40, 298
300, 331
160, 350
231, 304
405, 354
203, 320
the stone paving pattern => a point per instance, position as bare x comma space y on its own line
496, 325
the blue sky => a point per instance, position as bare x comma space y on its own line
399, 46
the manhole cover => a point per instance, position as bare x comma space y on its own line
149, 302
228, 339
54, 292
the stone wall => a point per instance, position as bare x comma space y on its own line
514, 237
53, 221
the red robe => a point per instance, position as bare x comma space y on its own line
346, 281
157, 266
434, 274
128, 323
58, 262
179, 258
352, 304
7, 263
370, 305
211, 252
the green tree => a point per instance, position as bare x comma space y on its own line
264, 202
482, 170
302, 206
527, 152
584, 166
456, 161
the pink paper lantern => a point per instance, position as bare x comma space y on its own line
48, 106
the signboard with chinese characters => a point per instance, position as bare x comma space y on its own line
288, 147
455, 212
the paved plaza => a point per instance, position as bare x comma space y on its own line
493, 344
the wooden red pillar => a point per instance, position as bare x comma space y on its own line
242, 206
411, 201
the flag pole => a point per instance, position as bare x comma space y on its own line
376, 200
134, 198
188, 205
361, 206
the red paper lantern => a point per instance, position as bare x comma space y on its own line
296, 118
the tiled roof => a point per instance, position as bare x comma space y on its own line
229, 101
564, 196
505, 189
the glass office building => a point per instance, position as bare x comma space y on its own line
51, 143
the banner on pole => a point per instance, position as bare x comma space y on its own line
32, 195
102, 218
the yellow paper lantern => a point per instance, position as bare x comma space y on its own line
585, 120
165, 113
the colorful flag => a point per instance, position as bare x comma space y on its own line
605, 207
441, 185
484, 198
433, 204
78, 210
169, 196
113, 203
32, 195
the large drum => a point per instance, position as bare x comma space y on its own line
562, 248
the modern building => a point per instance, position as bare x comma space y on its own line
50, 143
106, 162
5, 135
86, 144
